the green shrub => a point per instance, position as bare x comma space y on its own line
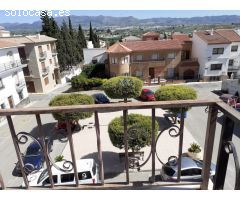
59, 158
94, 70
81, 82
71, 99
139, 131
122, 87
170, 93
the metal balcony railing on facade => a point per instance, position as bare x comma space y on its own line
10, 65
226, 146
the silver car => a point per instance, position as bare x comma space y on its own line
191, 170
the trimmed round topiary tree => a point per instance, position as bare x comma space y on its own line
139, 131
71, 99
123, 87
179, 92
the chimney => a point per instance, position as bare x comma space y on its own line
211, 33
38, 36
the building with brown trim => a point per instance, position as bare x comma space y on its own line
153, 58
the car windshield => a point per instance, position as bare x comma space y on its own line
168, 170
33, 150
43, 175
149, 92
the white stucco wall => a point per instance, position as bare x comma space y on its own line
8, 80
232, 86
88, 54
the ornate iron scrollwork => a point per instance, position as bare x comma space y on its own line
230, 149
23, 138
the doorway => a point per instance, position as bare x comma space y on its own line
10, 101
30, 86
151, 72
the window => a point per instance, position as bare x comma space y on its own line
230, 62
216, 67
168, 170
139, 57
46, 81
40, 50
196, 171
43, 65
154, 56
53, 76
125, 60
114, 60
1, 84
186, 172
48, 48
217, 51
50, 61
20, 94
171, 55
234, 48
3, 106
139, 73
84, 175
47, 180
67, 178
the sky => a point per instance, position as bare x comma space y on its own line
141, 14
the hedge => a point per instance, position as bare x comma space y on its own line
170, 93
139, 131
123, 87
71, 99
94, 71
81, 82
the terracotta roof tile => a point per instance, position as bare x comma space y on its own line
118, 48
181, 37
5, 43
214, 38
229, 34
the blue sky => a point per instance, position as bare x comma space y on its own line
136, 13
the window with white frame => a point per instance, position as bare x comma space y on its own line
216, 67
139, 57
217, 51
230, 62
114, 60
234, 48
125, 60
154, 56
171, 55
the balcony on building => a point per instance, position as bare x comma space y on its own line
129, 175
42, 55
54, 52
160, 61
45, 71
9, 67
20, 85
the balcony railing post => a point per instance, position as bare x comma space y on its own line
223, 156
208, 147
99, 148
126, 145
153, 145
17, 149
180, 145
69, 133
45, 151
1, 182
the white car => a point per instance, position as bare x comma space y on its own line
87, 174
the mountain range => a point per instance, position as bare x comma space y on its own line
109, 21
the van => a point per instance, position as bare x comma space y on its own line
87, 169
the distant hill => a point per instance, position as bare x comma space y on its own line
108, 21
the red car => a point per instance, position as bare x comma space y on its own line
147, 95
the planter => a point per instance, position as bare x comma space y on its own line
196, 156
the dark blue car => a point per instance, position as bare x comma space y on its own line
33, 158
100, 98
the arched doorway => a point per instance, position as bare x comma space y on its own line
188, 74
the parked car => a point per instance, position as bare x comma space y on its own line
147, 95
100, 98
87, 169
191, 170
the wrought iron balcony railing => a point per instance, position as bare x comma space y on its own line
10, 65
226, 147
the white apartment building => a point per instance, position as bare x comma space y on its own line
39, 52
218, 53
13, 90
